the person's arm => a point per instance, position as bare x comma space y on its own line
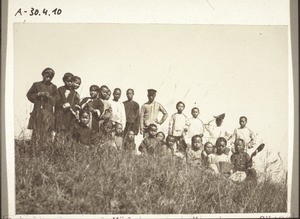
209, 127
136, 119
165, 114
171, 124
33, 93
232, 161
252, 138
142, 147
123, 115
187, 124
142, 119
248, 161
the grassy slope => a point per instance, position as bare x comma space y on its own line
75, 179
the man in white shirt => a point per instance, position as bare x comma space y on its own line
118, 109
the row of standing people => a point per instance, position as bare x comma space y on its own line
58, 110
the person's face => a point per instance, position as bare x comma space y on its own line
197, 143
93, 93
117, 95
209, 149
180, 108
69, 82
152, 131
108, 127
195, 113
76, 84
129, 94
103, 92
221, 147
85, 118
108, 94
160, 136
170, 142
151, 97
119, 129
47, 77
243, 122
130, 136
219, 121
239, 146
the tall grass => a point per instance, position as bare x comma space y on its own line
53, 178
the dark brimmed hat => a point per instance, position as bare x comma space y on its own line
151, 91
221, 116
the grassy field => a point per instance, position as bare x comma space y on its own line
76, 179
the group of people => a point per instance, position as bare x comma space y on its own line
60, 114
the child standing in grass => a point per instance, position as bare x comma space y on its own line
75, 86
194, 152
95, 107
150, 144
244, 133
65, 106
118, 109
43, 95
241, 162
132, 110
196, 126
81, 132
179, 123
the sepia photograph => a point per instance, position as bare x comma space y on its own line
131, 109
150, 119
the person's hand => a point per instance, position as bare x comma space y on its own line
40, 94
47, 94
157, 121
66, 105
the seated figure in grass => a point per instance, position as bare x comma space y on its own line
209, 157
195, 151
222, 158
150, 144
161, 137
82, 133
129, 144
242, 163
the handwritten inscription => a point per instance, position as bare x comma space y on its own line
39, 12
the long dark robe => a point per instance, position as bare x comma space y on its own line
42, 116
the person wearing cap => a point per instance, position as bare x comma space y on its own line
150, 111
217, 130
43, 95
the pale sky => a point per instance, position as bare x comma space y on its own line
237, 70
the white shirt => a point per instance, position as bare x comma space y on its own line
118, 112
217, 131
177, 124
196, 127
244, 133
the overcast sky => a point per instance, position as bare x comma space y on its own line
237, 70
